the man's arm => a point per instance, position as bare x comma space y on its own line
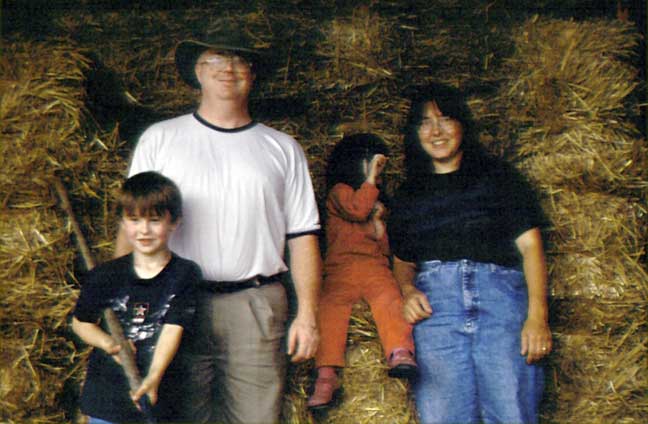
122, 246
306, 272
415, 304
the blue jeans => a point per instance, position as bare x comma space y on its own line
468, 351
93, 420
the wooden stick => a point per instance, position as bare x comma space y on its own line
76, 229
126, 354
127, 358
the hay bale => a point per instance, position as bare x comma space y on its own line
569, 105
370, 395
591, 276
576, 96
46, 136
596, 245
567, 71
41, 113
33, 374
36, 300
139, 48
600, 379
36, 260
612, 170
18, 379
600, 224
580, 315
357, 50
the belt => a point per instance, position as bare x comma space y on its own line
234, 286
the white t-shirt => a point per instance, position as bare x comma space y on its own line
244, 191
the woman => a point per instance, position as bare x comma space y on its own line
465, 233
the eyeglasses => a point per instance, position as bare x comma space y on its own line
445, 123
220, 62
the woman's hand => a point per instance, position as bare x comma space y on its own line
416, 306
536, 340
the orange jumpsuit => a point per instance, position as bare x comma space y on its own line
357, 267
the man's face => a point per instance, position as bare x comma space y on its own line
440, 135
224, 74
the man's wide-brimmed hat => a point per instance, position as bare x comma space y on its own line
221, 36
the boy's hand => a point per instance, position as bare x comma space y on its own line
149, 386
112, 348
376, 167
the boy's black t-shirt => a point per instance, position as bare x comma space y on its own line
474, 213
143, 306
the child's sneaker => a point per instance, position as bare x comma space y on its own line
327, 392
401, 364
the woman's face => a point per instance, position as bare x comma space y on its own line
440, 137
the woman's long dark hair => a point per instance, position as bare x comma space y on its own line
452, 103
345, 161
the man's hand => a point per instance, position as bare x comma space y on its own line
303, 339
306, 270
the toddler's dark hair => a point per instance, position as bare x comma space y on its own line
345, 161
150, 194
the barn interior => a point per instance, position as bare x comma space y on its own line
558, 88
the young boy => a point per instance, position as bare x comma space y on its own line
152, 292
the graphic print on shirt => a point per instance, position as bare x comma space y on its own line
139, 312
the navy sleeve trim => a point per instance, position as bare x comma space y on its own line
303, 233
225, 130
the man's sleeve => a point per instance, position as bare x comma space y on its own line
300, 208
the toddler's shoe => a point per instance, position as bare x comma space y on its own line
401, 364
327, 393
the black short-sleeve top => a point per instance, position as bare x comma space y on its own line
142, 306
475, 213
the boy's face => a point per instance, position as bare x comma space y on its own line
149, 235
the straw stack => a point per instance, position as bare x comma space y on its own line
564, 110
45, 138
569, 109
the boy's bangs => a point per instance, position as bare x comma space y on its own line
151, 205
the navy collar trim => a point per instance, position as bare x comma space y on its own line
225, 130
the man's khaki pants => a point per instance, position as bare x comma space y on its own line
236, 361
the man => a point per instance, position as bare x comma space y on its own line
246, 191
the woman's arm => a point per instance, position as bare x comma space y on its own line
536, 335
415, 304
